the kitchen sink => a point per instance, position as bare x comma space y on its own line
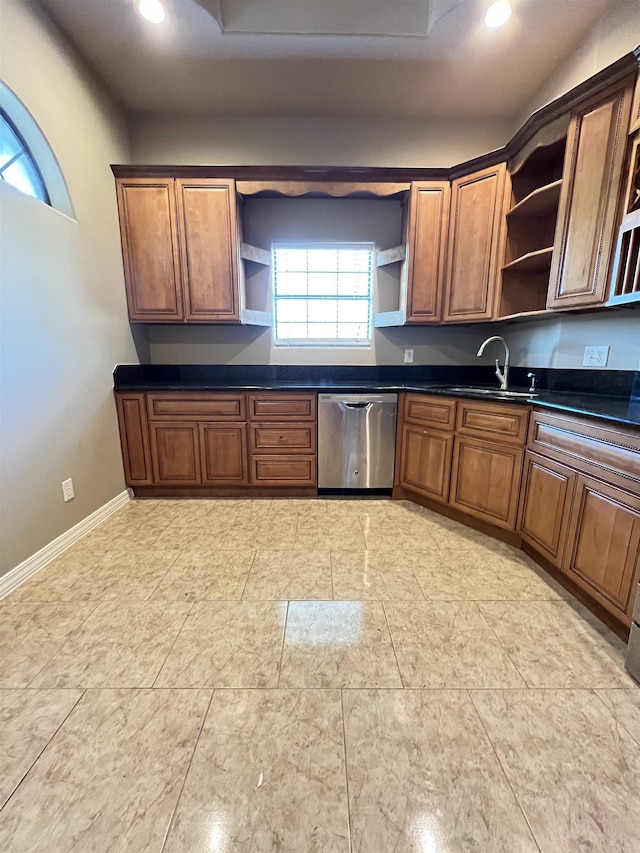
492, 392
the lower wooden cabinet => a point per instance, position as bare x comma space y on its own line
604, 536
175, 454
485, 480
223, 450
134, 439
425, 461
283, 470
547, 490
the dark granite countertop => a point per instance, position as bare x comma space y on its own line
574, 391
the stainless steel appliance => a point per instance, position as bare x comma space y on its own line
356, 440
633, 651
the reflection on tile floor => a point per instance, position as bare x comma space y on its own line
309, 675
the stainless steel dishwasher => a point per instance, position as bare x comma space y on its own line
356, 440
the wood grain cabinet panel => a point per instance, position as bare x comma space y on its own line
476, 245
493, 421
429, 216
435, 412
595, 152
224, 454
547, 491
150, 249
175, 451
196, 406
604, 557
283, 470
208, 229
287, 438
425, 461
485, 480
134, 439
282, 407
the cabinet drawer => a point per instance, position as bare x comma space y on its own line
208, 407
283, 470
493, 421
434, 412
611, 452
283, 438
282, 407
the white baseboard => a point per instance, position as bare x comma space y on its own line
33, 564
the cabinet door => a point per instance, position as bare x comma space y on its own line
207, 223
604, 555
587, 212
429, 219
224, 454
150, 249
425, 461
485, 480
475, 249
545, 501
134, 439
175, 450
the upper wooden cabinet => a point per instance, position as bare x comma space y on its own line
591, 180
474, 253
150, 251
428, 225
179, 246
208, 228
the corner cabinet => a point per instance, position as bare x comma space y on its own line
428, 224
182, 252
475, 249
591, 183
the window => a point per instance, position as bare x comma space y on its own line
323, 294
17, 166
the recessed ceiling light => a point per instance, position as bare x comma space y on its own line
498, 13
152, 10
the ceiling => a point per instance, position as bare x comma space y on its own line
330, 58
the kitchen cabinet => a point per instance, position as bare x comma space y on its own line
428, 225
591, 183
223, 451
134, 439
580, 505
625, 278
283, 439
426, 445
475, 247
175, 454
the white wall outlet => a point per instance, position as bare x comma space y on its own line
595, 356
67, 489
408, 356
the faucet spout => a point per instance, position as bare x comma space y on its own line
503, 375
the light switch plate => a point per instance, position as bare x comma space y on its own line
595, 356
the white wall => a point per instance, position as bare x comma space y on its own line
63, 310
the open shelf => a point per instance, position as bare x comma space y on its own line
535, 261
540, 202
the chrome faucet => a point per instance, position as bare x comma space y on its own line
503, 375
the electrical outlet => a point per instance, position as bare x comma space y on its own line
408, 356
67, 489
595, 356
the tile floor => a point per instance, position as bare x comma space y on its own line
309, 675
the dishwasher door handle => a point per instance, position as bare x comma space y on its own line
357, 405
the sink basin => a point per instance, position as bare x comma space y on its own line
492, 392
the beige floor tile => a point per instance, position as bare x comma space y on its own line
306, 507
357, 507
110, 779
574, 769
227, 644
294, 574
625, 707
338, 644
31, 632
381, 534
334, 532
140, 529
126, 576
423, 776
28, 721
261, 533
243, 508
447, 644
122, 644
553, 646
267, 775
362, 575
206, 573
55, 578
460, 576
525, 580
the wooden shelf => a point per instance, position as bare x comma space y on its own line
540, 202
531, 262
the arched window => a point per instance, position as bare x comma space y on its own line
17, 166
26, 159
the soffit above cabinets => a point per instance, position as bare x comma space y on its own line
397, 59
